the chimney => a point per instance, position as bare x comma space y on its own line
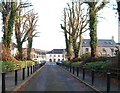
113, 38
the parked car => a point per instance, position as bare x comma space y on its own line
59, 62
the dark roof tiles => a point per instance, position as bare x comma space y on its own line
56, 51
101, 43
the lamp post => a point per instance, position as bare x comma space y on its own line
118, 9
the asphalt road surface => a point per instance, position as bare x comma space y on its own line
53, 78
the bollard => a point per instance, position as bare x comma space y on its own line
73, 70
31, 69
92, 78
108, 82
34, 68
77, 71
28, 71
70, 68
23, 74
3, 82
83, 74
16, 77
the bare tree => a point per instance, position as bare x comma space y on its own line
77, 22
32, 21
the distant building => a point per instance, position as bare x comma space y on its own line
106, 47
56, 55
41, 54
36, 54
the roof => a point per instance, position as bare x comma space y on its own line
57, 51
101, 43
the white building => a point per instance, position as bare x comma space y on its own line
56, 55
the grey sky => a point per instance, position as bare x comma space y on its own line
50, 15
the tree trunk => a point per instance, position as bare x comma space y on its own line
20, 55
30, 40
80, 45
71, 54
8, 22
93, 33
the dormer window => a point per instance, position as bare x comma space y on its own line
106, 42
84, 42
110, 43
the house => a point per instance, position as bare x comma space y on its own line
13, 50
56, 55
33, 54
106, 47
36, 54
41, 54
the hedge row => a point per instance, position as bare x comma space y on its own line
10, 66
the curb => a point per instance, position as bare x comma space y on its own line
19, 87
80, 80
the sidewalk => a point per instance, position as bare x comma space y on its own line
99, 83
10, 78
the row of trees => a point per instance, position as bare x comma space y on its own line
78, 20
22, 23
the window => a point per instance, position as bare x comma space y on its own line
84, 42
50, 55
54, 55
50, 60
86, 49
62, 55
58, 55
58, 59
54, 60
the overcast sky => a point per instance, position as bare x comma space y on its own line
50, 15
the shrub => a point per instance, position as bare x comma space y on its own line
76, 64
67, 63
85, 56
9, 66
92, 59
26, 63
98, 66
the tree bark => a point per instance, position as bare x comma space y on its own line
93, 33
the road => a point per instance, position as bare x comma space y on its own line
52, 78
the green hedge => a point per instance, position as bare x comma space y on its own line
66, 63
98, 66
76, 64
26, 63
10, 66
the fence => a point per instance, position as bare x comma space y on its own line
12, 79
91, 78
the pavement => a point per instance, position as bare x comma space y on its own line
10, 80
52, 78
99, 83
